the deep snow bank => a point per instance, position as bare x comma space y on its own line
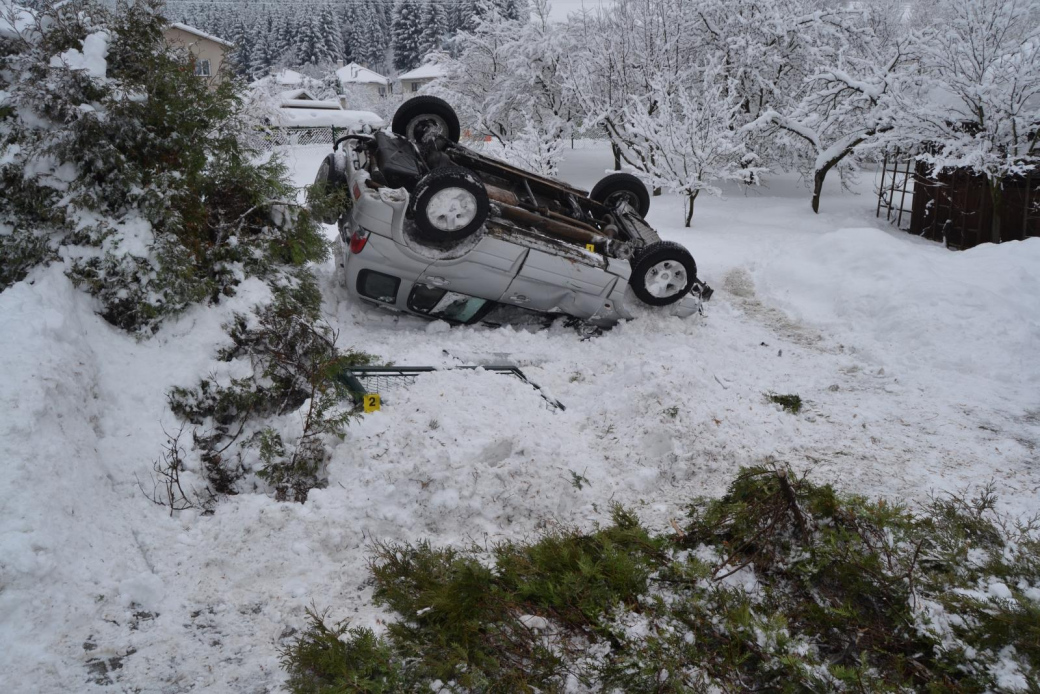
973, 313
57, 494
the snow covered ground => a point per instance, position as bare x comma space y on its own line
919, 368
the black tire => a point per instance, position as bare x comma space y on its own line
435, 225
661, 257
415, 116
619, 186
331, 175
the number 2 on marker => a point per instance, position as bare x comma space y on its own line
371, 402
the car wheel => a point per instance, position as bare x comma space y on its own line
448, 205
662, 273
331, 176
618, 187
426, 116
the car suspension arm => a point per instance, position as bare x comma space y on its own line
513, 209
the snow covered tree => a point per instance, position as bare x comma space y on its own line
285, 40
347, 18
332, 36
768, 51
314, 44
152, 203
262, 55
435, 27
845, 105
619, 54
407, 30
506, 82
688, 140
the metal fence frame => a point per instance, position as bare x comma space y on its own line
897, 181
362, 380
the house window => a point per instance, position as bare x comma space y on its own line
415, 86
202, 68
382, 91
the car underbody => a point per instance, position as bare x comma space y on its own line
436, 216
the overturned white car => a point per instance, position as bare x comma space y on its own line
438, 230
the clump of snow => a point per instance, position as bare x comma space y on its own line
92, 58
145, 589
15, 20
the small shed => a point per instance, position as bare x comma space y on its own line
414, 80
955, 206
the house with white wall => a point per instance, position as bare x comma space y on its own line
209, 51
413, 80
355, 79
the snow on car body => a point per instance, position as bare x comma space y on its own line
440, 231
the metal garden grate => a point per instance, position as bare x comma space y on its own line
896, 189
365, 380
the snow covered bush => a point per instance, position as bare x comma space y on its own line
118, 162
779, 585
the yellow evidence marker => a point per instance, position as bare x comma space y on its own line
371, 402
590, 247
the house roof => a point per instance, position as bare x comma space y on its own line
428, 71
288, 77
324, 118
310, 103
202, 34
300, 94
359, 74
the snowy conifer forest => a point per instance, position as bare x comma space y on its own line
384, 35
826, 478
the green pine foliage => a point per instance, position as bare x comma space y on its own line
272, 427
137, 177
781, 585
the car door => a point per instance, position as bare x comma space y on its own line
486, 271
570, 281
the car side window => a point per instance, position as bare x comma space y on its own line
376, 285
449, 306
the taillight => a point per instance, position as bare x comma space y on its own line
358, 240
